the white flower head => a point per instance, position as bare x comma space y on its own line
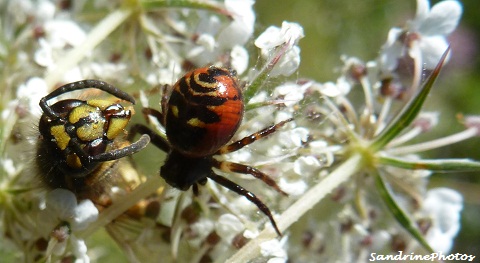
341, 88
291, 93
274, 248
239, 56
295, 187
443, 205
63, 205
285, 38
31, 92
288, 64
425, 35
68, 216
60, 36
63, 33
241, 28
273, 36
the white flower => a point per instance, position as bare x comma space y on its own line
63, 33
294, 137
31, 92
424, 36
274, 248
288, 64
274, 37
67, 216
443, 205
44, 55
239, 57
340, 88
291, 93
63, 205
214, 40
294, 187
241, 28
227, 226
306, 165
60, 35
45, 10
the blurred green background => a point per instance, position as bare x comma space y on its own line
359, 28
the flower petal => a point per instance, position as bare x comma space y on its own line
270, 38
85, 213
423, 8
443, 18
444, 206
63, 202
432, 49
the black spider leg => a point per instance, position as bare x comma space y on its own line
245, 169
235, 146
247, 194
154, 113
122, 152
167, 90
156, 139
83, 84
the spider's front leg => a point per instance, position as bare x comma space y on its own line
247, 194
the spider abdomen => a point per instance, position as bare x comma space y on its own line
204, 111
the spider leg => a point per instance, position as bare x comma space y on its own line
245, 169
247, 194
156, 139
154, 113
235, 146
167, 90
83, 84
122, 152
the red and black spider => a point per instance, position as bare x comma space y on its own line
203, 112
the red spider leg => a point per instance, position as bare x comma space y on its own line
235, 146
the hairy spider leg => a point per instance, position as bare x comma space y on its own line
247, 194
235, 146
245, 169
